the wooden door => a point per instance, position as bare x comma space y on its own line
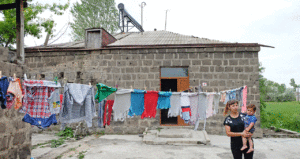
182, 85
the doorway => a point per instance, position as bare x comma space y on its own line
173, 79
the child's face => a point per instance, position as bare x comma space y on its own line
250, 111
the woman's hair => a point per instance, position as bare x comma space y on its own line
229, 103
251, 106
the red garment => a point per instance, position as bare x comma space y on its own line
61, 100
108, 105
150, 103
187, 110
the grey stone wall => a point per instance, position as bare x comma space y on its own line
221, 68
15, 135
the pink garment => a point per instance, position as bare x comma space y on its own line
194, 107
209, 108
244, 107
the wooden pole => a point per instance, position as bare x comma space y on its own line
20, 31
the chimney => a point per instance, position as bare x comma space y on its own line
96, 38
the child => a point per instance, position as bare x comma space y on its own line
250, 120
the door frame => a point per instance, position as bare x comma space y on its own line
180, 122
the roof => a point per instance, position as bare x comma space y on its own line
159, 38
148, 39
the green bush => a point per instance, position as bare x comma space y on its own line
68, 132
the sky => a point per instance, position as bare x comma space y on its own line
269, 22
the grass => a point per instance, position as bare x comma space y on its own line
81, 154
284, 115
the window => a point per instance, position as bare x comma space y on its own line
174, 72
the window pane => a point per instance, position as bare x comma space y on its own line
174, 72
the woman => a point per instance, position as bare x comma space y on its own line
234, 126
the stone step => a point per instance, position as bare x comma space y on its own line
169, 137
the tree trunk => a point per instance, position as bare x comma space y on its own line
9, 41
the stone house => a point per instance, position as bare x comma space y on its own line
157, 60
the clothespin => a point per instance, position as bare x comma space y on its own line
170, 90
145, 88
131, 87
15, 76
117, 86
90, 84
0, 74
25, 76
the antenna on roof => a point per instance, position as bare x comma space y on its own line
166, 20
124, 15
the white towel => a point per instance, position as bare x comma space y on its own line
185, 100
122, 104
175, 109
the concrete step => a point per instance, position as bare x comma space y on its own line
175, 137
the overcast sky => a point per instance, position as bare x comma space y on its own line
270, 22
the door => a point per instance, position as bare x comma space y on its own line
176, 80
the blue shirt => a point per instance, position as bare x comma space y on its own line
250, 119
163, 101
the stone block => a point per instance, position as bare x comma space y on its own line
244, 62
219, 69
194, 68
253, 61
18, 124
144, 123
107, 57
233, 62
105, 51
223, 76
212, 69
181, 50
183, 55
222, 83
104, 63
128, 84
115, 57
196, 62
217, 62
248, 69
206, 62
162, 50
238, 55
209, 49
169, 56
150, 76
142, 76
144, 69
129, 70
233, 76
4, 143
193, 55
228, 69
159, 56
126, 77
185, 62
115, 51
204, 69
143, 51
2, 127
155, 83
133, 76
132, 63
218, 55
207, 76
204, 55
25, 152
137, 69
119, 63
225, 62
197, 75
239, 69
152, 51
154, 69
166, 63
171, 50
228, 55
244, 76
176, 63
194, 82
248, 54
19, 138
147, 56
157, 63
213, 83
